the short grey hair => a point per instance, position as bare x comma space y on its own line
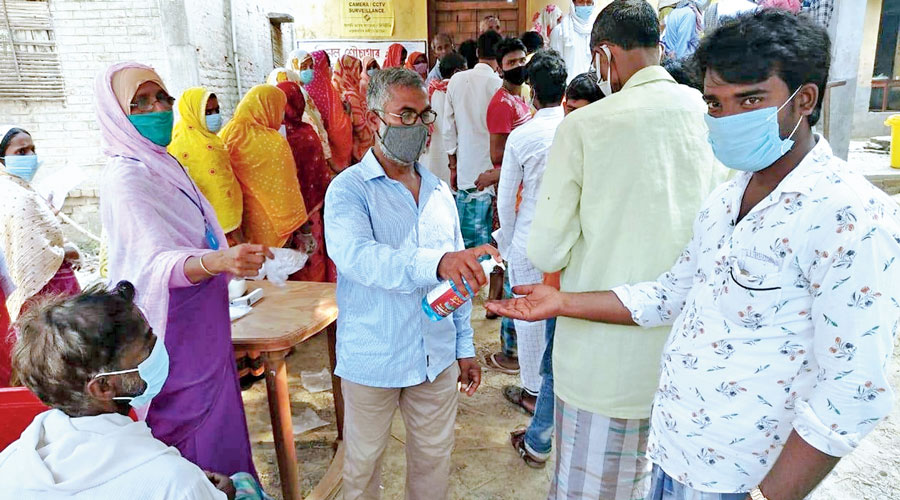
64, 342
384, 81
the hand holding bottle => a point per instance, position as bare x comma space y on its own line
464, 265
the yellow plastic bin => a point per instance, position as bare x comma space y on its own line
894, 122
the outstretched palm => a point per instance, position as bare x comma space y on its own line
539, 302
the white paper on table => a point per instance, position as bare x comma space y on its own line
287, 261
55, 188
238, 312
316, 381
307, 421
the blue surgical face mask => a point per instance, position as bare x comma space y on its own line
584, 12
214, 122
156, 127
750, 141
372, 72
22, 166
153, 371
306, 76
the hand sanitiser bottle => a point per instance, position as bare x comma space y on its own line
445, 298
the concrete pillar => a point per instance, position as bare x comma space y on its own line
846, 32
184, 68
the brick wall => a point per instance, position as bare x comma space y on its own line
93, 34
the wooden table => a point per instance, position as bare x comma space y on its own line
283, 318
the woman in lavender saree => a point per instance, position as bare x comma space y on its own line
163, 237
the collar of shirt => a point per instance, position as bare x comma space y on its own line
802, 179
484, 68
371, 169
554, 112
649, 74
436, 71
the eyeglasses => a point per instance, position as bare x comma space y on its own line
146, 104
409, 117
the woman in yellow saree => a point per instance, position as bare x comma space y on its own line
196, 146
264, 164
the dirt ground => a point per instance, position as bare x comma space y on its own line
484, 464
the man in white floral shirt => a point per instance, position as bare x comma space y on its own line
785, 302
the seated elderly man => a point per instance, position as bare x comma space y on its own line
91, 358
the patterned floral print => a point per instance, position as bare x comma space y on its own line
782, 321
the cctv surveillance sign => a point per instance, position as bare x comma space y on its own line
367, 18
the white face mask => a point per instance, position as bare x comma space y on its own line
605, 85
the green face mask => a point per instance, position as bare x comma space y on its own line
156, 127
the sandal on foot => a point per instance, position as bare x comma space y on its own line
515, 395
492, 363
517, 438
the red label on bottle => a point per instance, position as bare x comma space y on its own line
446, 303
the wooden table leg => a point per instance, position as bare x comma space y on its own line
282, 425
335, 380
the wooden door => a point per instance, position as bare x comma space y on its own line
461, 18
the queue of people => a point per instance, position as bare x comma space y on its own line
746, 369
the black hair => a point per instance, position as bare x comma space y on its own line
4, 143
770, 42
506, 46
584, 87
487, 43
532, 40
682, 72
547, 75
469, 50
450, 63
630, 24
65, 341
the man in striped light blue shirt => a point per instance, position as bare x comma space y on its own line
393, 232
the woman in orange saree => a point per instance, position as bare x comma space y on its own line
396, 56
419, 63
334, 114
346, 82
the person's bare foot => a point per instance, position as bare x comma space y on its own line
520, 397
529, 402
507, 362
517, 439
504, 364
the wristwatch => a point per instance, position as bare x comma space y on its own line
757, 494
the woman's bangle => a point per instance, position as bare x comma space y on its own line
203, 266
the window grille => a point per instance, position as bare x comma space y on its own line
29, 60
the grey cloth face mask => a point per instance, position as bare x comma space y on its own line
404, 144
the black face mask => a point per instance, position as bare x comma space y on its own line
516, 76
